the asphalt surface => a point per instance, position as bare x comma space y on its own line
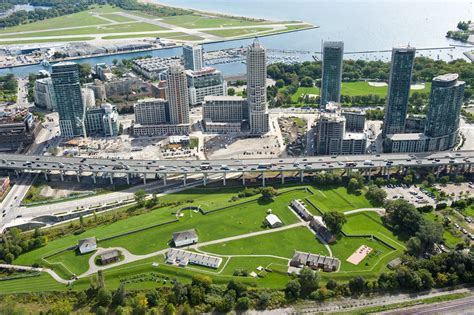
314, 163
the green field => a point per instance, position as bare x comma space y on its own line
198, 21
42, 283
55, 40
272, 250
117, 17
106, 29
363, 88
299, 238
303, 91
238, 32
337, 199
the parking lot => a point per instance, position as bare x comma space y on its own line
412, 194
458, 190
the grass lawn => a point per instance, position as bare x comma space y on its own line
237, 32
281, 244
161, 35
106, 29
198, 21
346, 246
239, 219
117, 17
55, 40
337, 199
236, 220
83, 18
363, 88
302, 91
42, 283
72, 261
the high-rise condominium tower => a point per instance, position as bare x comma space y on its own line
332, 72
444, 109
399, 83
193, 57
256, 88
69, 102
178, 95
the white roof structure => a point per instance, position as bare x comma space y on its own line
273, 220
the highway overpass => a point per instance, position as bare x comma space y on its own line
112, 168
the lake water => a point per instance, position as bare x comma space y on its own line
362, 25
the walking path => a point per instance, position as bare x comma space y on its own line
380, 211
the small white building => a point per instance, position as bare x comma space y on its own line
273, 221
87, 245
184, 238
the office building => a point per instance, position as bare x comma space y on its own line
44, 94
256, 88
153, 111
178, 95
69, 102
193, 57
102, 121
399, 84
444, 109
224, 114
205, 82
331, 72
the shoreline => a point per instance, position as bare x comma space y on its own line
178, 45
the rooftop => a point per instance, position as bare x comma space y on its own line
407, 136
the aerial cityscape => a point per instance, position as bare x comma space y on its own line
183, 157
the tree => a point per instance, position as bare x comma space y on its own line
140, 304
334, 221
170, 309
444, 180
180, 292
402, 216
429, 233
331, 284
268, 192
414, 246
140, 197
357, 284
408, 179
430, 178
263, 300
104, 297
353, 185
379, 181
119, 296
243, 303
376, 195
307, 82
293, 289
279, 83
231, 91
309, 281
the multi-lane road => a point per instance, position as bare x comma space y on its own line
83, 165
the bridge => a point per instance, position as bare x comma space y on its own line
368, 165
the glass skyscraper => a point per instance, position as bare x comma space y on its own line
398, 90
193, 57
69, 102
444, 111
332, 72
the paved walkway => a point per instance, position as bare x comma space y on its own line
380, 211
